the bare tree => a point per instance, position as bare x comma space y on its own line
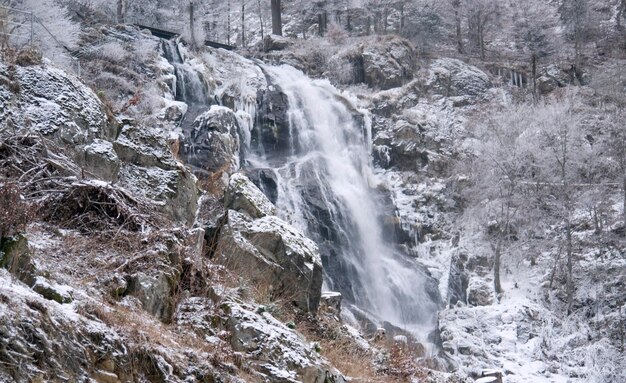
261, 19
456, 6
575, 15
560, 147
482, 16
500, 168
532, 31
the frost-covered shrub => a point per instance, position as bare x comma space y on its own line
113, 51
150, 100
336, 34
144, 51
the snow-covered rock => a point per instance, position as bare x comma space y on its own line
274, 256
49, 101
388, 63
242, 195
279, 352
213, 144
275, 43
479, 292
454, 78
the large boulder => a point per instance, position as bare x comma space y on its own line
213, 144
275, 43
388, 63
48, 101
148, 168
243, 195
454, 78
277, 259
479, 292
100, 159
277, 351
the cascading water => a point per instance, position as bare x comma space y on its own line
326, 187
320, 157
189, 86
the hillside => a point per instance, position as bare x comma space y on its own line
392, 191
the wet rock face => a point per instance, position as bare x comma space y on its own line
213, 144
271, 131
266, 181
16, 257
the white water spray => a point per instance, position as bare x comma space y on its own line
326, 189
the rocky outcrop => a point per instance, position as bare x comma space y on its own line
479, 292
16, 257
275, 43
213, 144
558, 76
242, 195
454, 78
278, 352
271, 132
46, 100
388, 63
276, 258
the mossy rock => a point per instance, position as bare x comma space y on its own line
16, 256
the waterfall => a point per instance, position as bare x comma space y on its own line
326, 187
189, 86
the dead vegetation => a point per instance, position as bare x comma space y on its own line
47, 177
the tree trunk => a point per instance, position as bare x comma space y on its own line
385, 16
570, 255
401, 29
481, 40
228, 23
243, 23
534, 69
261, 19
120, 12
457, 20
620, 13
192, 28
496, 268
624, 212
277, 23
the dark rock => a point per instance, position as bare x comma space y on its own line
265, 179
271, 132
213, 143
99, 158
275, 43
458, 280
331, 301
